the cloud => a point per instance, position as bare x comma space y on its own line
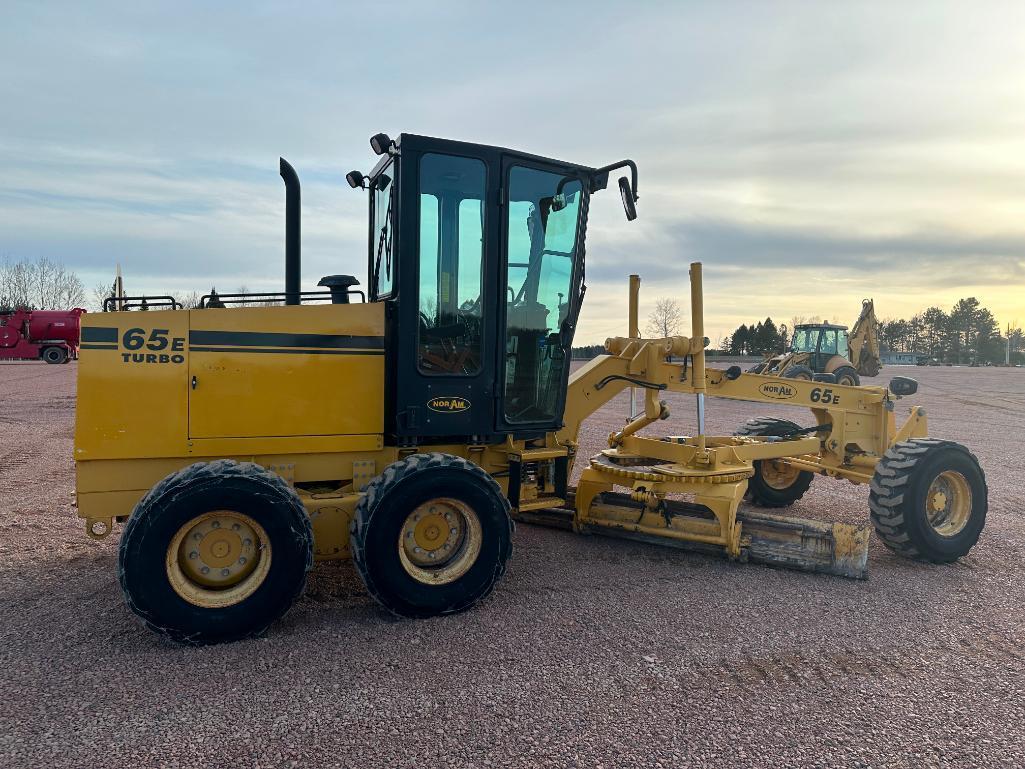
870, 149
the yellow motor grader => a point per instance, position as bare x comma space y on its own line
826, 352
410, 429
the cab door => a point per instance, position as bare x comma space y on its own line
543, 249
444, 384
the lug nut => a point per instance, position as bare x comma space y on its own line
225, 572
216, 524
205, 570
193, 554
241, 561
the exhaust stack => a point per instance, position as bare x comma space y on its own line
292, 232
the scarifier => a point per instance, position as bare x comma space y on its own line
410, 429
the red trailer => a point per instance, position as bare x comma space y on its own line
50, 335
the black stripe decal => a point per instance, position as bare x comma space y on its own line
285, 350
98, 347
97, 334
267, 339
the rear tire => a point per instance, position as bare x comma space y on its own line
799, 372
55, 355
240, 523
848, 376
466, 523
774, 484
928, 500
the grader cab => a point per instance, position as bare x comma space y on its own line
238, 445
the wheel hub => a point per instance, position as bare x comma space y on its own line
778, 474
218, 558
439, 541
949, 503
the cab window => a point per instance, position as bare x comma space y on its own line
828, 344
383, 196
805, 340
450, 263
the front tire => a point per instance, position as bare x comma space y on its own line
848, 376
774, 484
55, 355
799, 372
215, 552
928, 500
431, 535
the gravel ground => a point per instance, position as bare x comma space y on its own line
592, 652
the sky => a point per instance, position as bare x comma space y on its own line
809, 154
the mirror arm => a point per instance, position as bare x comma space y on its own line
600, 177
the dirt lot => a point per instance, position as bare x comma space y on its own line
591, 653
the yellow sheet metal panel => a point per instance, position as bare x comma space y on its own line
286, 371
132, 385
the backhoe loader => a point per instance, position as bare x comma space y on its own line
409, 427
826, 351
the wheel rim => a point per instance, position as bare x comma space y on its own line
439, 541
218, 559
948, 503
778, 474
846, 380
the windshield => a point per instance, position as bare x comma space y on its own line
805, 340
541, 249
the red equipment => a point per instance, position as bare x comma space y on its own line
50, 335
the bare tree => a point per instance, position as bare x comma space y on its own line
664, 319
42, 284
65, 289
189, 301
101, 292
15, 284
245, 302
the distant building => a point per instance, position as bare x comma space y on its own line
891, 358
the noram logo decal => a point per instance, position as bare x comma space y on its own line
448, 405
778, 390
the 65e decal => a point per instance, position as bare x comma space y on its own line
158, 346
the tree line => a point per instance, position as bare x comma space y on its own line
761, 338
967, 334
39, 285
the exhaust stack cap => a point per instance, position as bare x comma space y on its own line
339, 286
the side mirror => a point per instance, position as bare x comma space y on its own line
354, 178
380, 143
903, 385
629, 200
